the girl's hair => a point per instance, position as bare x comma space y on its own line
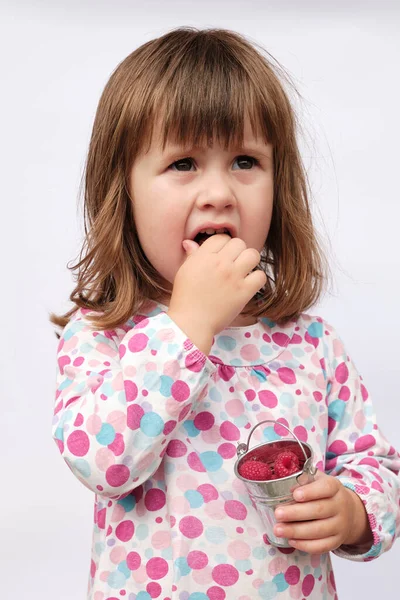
203, 83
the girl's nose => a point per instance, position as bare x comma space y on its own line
216, 192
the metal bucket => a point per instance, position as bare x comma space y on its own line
267, 495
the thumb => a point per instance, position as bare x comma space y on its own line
190, 246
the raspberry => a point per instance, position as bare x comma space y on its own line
286, 463
255, 470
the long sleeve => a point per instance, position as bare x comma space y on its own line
358, 453
120, 397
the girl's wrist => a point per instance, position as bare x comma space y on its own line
359, 532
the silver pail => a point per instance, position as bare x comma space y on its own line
267, 495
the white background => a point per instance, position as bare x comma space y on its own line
55, 60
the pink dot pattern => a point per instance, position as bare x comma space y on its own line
150, 424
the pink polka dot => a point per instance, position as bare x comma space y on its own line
93, 424
281, 339
180, 391
342, 373
176, 448
208, 492
117, 475
216, 593
78, 443
239, 550
369, 461
191, 527
195, 463
197, 559
292, 575
62, 362
184, 412
133, 561
234, 408
308, 584
364, 392
235, 510
364, 442
118, 445
131, 390
154, 589
157, 568
225, 575
134, 415
138, 342
204, 420
125, 530
101, 518
92, 568
281, 430
169, 427
161, 540
229, 431
286, 375
117, 554
268, 398
338, 447
344, 393
250, 352
154, 499
318, 396
227, 450
78, 420
250, 395
193, 363
301, 433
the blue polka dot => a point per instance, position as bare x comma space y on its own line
83, 467
243, 565
259, 552
173, 349
221, 559
211, 460
198, 596
149, 553
268, 590
241, 420
194, 498
191, 429
116, 580
261, 375
167, 553
336, 409
219, 477
266, 350
151, 424
315, 330
129, 502
280, 582
215, 395
225, 342
142, 531
123, 567
106, 434
215, 535
151, 381
99, 548
286, 400
143, 596
236, 362
181, 564
270, 434
166, 384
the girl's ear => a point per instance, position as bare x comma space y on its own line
190, 246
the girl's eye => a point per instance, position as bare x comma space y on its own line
242, 160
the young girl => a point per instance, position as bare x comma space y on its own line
188, 328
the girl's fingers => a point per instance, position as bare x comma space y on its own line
310, 530
317, 509
324, 486
317, 546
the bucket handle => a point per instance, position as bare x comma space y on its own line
242, 448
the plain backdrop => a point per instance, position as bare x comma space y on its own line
55, 60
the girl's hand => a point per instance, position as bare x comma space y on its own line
325, 516
213, 285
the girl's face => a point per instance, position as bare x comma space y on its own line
180, 191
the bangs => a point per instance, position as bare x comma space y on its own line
205, 93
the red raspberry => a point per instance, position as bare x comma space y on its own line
286, 463
255, 470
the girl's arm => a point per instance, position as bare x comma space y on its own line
120, 399
358, 454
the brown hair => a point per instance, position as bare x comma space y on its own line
204, 83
